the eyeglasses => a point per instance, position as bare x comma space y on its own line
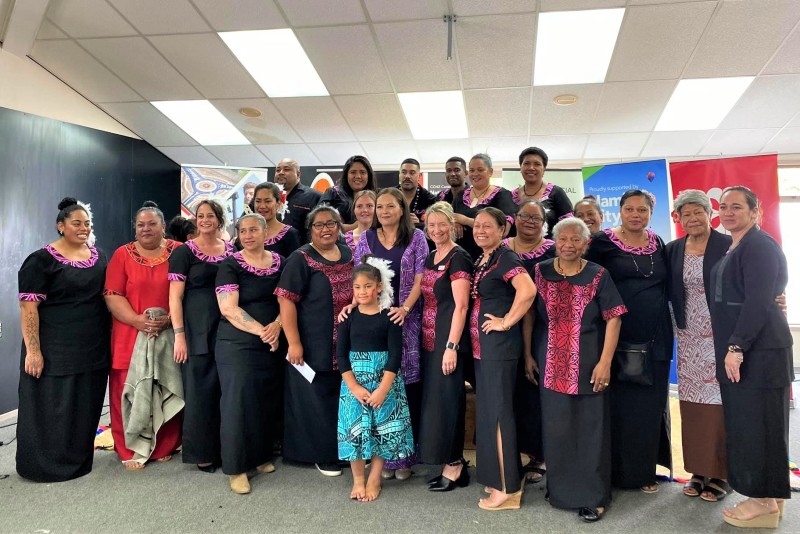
530, 218
330, 225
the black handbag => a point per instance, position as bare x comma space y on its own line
633, 363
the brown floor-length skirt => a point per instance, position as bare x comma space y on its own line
703, 431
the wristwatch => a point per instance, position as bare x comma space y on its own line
405, 308
735, 348
451, 345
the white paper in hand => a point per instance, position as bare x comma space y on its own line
305, 370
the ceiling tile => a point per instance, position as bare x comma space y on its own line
549, 118
240, 156
315, 118
298, 152
48, 30
415, 54
560, 147
498, 112
149, 123
648, 2
737, 142
193, 54
665, 144
655, 42
374, 117
391, 152
138, 64
322, 12
615, 145
786, 142
495, 51
794, 123
787, 59
742, 37
81, 71
335, 153
438, 151
325, 46
769, 102
391, 10
501, 149
269, 128
248, 15
572, 5
189, 155
153, 17
88, 18
464, 8
631, 106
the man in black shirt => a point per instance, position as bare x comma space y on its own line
300, 199
418, 199
456, 173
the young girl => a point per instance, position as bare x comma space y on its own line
374, 421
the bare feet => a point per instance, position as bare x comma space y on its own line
650, 488
495, 499
373, 491
132, 465
752, 508
359, 490
163, 459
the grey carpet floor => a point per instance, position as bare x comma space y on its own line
173, 497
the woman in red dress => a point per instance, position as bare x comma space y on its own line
136, 279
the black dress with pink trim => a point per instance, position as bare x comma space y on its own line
441, 435
640, 421
249, 372
198, 272
499, 198
59, 412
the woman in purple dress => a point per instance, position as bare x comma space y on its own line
395, 239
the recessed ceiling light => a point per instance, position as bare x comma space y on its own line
276, 61
565, 100
435, 115
575, 46
202, 121
250, 113
702, 104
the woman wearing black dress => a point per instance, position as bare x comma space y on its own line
65, 352
357, 175
753, 347
445, 348
502, 292
479, 195
269, 201
248, 355
316, 284
532, 247
192, 306
640, 424
533, 164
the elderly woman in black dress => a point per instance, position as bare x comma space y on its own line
314, 287
532, 247
502, 292
248, 359
533, 164
753, 347
634, 256
578, 313
445, 347
65, 352
195, 315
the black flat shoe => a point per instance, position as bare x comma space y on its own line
591, 515
445, 484
210, 468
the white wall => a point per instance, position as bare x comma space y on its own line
27, 87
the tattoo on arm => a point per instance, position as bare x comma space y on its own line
32, 327
245, 318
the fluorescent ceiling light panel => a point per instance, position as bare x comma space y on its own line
202, 121
276, 61
702, 104
575, 46
435, 115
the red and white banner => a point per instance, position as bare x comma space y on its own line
758, 173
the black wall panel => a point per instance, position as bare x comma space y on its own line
42, 161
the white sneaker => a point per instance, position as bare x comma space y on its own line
329, 470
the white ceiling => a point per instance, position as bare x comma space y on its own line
120, 54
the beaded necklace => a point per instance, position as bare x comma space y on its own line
480, 270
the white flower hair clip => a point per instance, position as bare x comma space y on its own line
387, 294
283, 208
88, 209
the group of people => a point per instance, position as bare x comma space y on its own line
345, 327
